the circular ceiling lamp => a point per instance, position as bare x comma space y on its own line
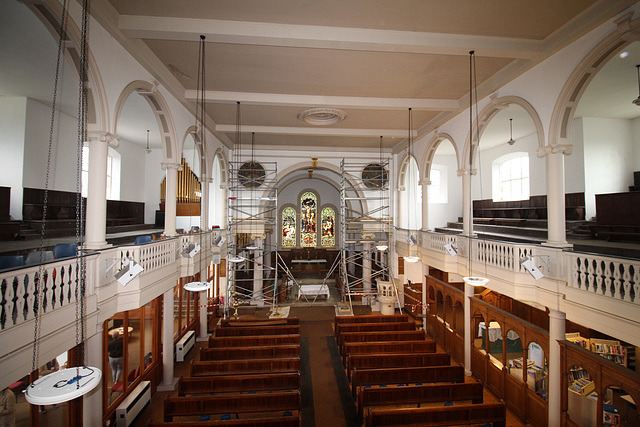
475, 281
197, 286
322, 116
63, 385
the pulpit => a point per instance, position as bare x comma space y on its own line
387, 297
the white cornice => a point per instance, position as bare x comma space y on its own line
283, 130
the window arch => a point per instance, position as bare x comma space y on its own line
511, 177
288, 227
308, 220
328, 218
411, 196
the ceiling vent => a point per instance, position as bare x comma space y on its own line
322, 116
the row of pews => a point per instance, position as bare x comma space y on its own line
248, 375
397, 376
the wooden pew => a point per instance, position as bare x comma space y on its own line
259, 322
217, 342
246, 366
417, 394
239, 383
291, 421
375, 318
253, 352
392, 360
424, 374
482, 413
372, 327
232, 331
347, 337
420, 346
231, 403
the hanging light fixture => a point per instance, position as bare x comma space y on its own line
67, 384
235, 257
470, 280
511, 141
199, 286
413, 238
637, 100
381, 246
147, 150
252, 242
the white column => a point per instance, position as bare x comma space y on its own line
366, 267
557, 323
258, 280
202, 299
93, 399
169, 383
468, 333
204, 202
467, 215
96, 216
556, 221
425, 183
170, 197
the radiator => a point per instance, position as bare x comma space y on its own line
133, 404
185, 345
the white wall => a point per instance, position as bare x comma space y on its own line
608, 158
12, 132
441, 213
153, 176
574, 166
62, 175
133, 186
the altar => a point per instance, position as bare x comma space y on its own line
313, 291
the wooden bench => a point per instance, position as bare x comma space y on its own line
417, 394
233, 331
217, 342
260, 322
253, 352
393, 360
418, 346
482, 413
615, 232
247, 366
424, 374
375, 318
347, 337
290, 421
231, 403
372, 327
239, 383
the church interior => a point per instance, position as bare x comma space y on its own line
338, 213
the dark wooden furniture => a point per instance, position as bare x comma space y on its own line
265, 322
246, 366
239, 383
417, 394
495, 413
231, 403
533, 208
253, 341
385, 360
290, 421
428, 374
253, 352
348, 337
232, 331
418, 346
372, 327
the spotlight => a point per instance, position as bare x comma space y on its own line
219, 241
527, 264
449, 247
190, 250
412, 240
128, 272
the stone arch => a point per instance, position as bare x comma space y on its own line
484, 117
49, 13
570, 95
432, 147
192, 131
149, 91
402, 198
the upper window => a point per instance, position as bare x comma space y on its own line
113, 174
511, 177
328, 239
288, 227
308, 220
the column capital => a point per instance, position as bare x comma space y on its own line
555, 149
464, 172
556, 314
107, 137
401, 188
425, 182
167, 166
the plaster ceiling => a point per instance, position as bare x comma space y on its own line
372, 59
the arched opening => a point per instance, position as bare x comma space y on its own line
441, 175
581, 397
410, 195
217, 200
537, 370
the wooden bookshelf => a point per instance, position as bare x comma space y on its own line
609, 349
575, 338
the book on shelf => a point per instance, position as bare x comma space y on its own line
610, 349
578, 373
582, 386
610, 415
575, 338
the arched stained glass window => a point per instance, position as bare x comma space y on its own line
328, 239
308, 220
288, 227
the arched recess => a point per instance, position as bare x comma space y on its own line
49, 12
217, 195
569, 98
149, 91
432, 147
485, 116
410, 217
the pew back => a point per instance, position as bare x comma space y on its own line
392, 360
347, 337
253, 352
261, 322
247, 366
254, 341
426, 374
439, 416
233, 331
239, 383
291, 421
418, 346
372, 327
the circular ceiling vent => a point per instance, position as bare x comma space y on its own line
322, 116
375, 176
251, 174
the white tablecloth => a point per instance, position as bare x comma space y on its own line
313, 290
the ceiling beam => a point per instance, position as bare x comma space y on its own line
288, 100
315, 131
309, 36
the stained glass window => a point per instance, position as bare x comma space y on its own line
328, 239
288, 227
308, 220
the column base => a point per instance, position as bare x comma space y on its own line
97, 245
203, 339
169, 387
468, 373
563, 245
